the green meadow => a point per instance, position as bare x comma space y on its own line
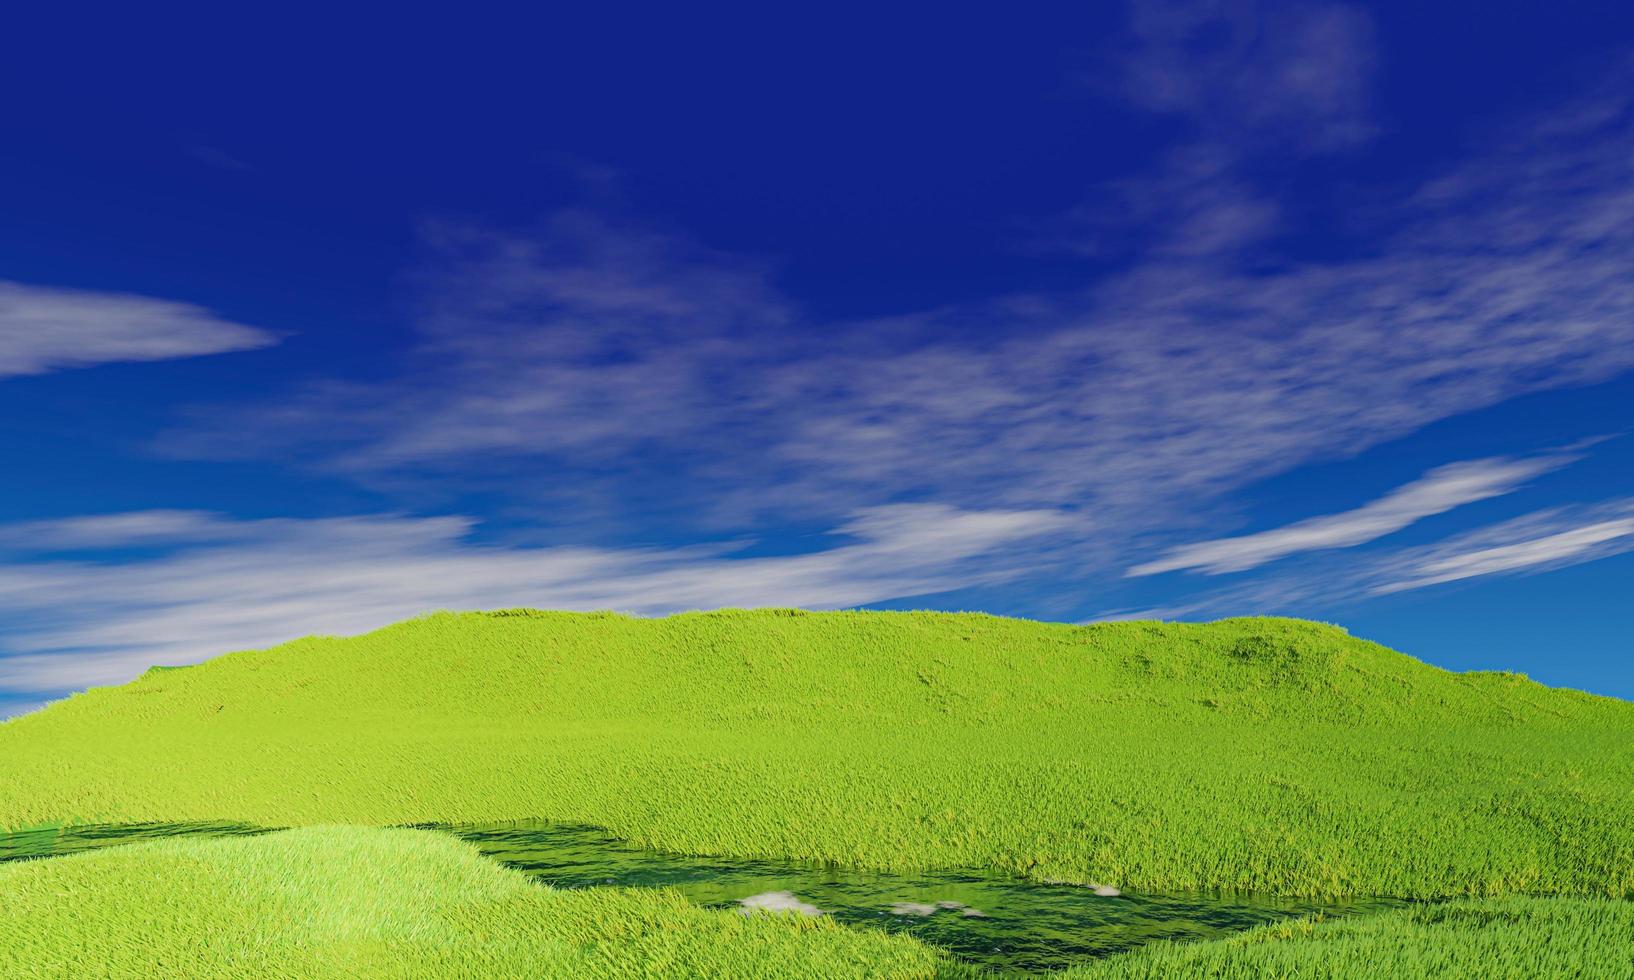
359, 902
1266, 755
1490, 939
346, 902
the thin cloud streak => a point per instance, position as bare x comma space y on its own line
45, 329
1535, 552
101, 531
1436, 492
1531, 544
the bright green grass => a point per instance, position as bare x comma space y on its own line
356, 902
347, 902
1481, 939
1274, 755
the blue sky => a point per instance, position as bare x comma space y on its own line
1081, 312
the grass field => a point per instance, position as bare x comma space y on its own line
358, 902
1273, 755
347, 902
1482, 939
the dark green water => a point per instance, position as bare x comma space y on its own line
997, 922
55, 841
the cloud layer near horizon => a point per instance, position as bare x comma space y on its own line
74, 617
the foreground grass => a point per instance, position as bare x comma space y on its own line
1490, 939
349, 902
1273, 755
357, 902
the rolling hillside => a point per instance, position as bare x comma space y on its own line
1265, 754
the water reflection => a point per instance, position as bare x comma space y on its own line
56, 841
994, 921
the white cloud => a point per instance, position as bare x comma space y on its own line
1533, 544
100, 531
69, 624
1436, 492
610, 363
596, 376
47, 329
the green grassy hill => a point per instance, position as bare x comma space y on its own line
1264, 754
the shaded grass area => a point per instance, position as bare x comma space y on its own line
358, 902
1493, 939
54, 841
1256, 754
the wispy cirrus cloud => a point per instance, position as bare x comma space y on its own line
94, 532
613, 372
617, 360
45, 328
1436, 492
221, 584
1535, 543
617, 369
1258, 86
1296, 73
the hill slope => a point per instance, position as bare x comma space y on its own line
1265, 754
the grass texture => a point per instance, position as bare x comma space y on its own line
347, 902
1480, 939
355, 902
1264, 754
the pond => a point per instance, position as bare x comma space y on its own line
995, 921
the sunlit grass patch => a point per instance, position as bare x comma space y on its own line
357, 902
